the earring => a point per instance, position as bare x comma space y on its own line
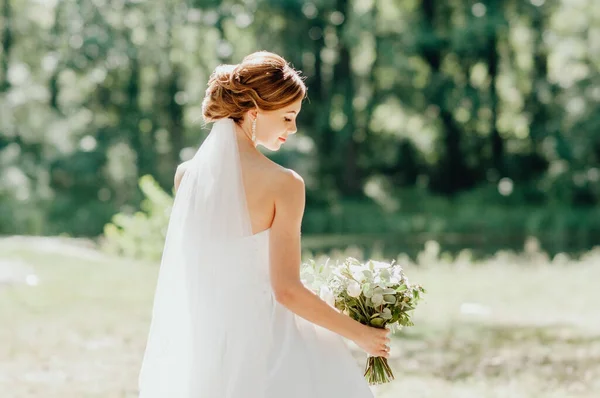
254, 130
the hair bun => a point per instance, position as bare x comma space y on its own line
219, 101
225, 76
262, 80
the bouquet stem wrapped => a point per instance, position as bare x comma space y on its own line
373, 293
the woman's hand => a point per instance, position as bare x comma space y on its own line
374, 341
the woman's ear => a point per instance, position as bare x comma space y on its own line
251, 114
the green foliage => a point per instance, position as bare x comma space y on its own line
142, 234
445, 98
473, 212
481, 218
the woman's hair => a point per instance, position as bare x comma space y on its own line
263, 80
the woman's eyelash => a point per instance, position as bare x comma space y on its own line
287, 120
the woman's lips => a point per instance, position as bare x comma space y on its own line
281, 139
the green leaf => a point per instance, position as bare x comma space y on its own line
401, 288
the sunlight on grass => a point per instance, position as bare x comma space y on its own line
511, 326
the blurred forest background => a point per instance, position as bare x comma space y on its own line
459, 137
474, 123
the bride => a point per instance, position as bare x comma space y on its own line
231, 318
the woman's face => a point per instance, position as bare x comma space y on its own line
274, 127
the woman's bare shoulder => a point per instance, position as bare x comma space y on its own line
289, 187
283, 180
288, 192
181, 169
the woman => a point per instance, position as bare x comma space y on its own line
231, 318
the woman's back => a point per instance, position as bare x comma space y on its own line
259, 176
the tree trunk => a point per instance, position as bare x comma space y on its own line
349, 180
131, 114
175, 115
352, 183
7, 42
493, 60
538, 111
452, 173
56, 35
324, 136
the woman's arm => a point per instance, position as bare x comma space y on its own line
285, 254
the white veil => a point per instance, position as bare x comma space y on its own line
209, 216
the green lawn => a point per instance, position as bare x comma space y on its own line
513, 326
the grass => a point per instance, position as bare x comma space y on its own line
510, 326
522, 332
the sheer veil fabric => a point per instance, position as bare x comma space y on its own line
216, 330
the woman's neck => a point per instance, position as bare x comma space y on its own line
244, 136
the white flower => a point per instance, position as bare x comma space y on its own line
398, 274
368, 275
383, 278
354, 289
357, 273
380, 265
384, 274
356, 268
327, 295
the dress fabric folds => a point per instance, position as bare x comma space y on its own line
216, 329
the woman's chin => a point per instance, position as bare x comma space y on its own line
274, 147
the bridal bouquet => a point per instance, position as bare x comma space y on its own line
374, 293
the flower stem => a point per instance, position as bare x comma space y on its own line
378, 371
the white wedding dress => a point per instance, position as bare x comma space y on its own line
217, 331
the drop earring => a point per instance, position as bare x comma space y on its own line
254, 131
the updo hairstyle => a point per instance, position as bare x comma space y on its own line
263, 80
